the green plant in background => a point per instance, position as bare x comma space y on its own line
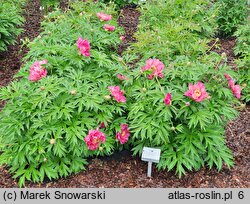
242, 50
231, 14
10, 22
49, 5
180, 28
121, 3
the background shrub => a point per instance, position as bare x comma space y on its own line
231, 14
121, 3
180, 28
10, 22
242, 50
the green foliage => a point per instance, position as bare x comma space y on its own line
242, 50
231, 14
190, 134
43, 125
48, 5
10, 22
121, 3
180, 28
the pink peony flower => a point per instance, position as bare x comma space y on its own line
117, 93
236, 91
235, 88
229, 79
197, 92
155, 66
37, 71
103, 16
109, 27
83, 46
102, 125
121, 77
124, 134
94, 138
227, 76
122, 37
168, 99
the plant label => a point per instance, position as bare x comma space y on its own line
150, 155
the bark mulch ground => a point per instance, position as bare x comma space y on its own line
128, 19
226, 45
124, 170
11, 60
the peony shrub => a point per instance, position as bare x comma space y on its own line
80, 99
180, 101
66, 107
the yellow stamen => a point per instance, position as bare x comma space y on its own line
197, 92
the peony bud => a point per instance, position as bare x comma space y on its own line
223, 55
73, 92
244, 85
107, 97
122, 37
187, 104
189, 64
144, 89
45, 159
42, 88
242, 106
173, 128
100, 148
52, 141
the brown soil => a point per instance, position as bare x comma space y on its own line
11, 60
225, 45
128, 19
123, 170
64, 4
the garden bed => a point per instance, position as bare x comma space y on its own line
122, 169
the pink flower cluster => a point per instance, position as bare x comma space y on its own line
94, 138
235, 88
109, 27
168, 99
121, 77
83, 46
37, 71
103, 16
124, 134
106, 17
156, 68
117, 93
197, 92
